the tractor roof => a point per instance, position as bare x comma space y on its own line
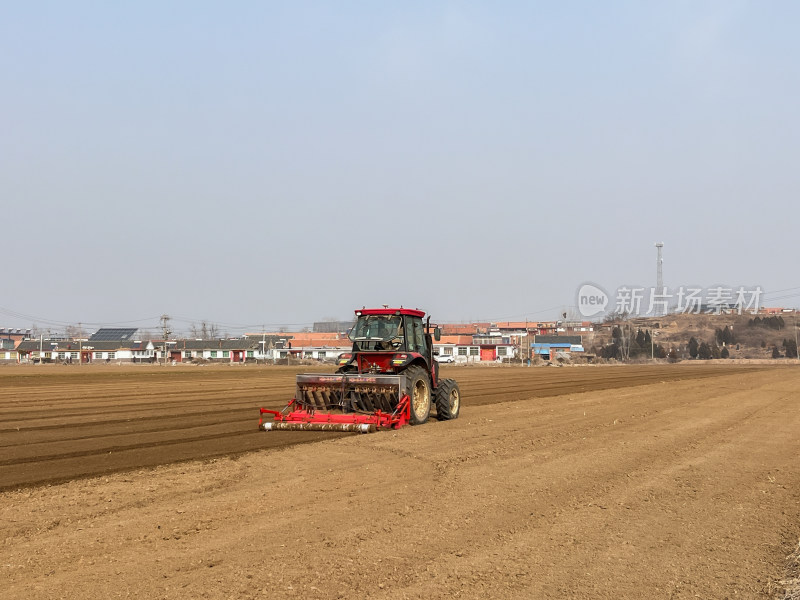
390, 311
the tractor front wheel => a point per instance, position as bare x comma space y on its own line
419, 393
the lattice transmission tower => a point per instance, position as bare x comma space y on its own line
659, 271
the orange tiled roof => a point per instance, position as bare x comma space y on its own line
315, 342
457, 329
458, 340
318, 336
300, 334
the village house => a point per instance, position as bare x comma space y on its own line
236, 350
84, 351
550, 347
8, 353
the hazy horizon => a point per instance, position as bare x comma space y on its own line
272, 164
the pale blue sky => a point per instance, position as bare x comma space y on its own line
279, 163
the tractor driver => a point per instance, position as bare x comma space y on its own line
392, 335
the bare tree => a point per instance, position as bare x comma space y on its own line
614, 316
74, 331
204, 331
627, 338
623, 336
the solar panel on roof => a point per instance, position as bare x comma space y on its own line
111, 334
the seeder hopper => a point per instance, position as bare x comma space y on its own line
388, 380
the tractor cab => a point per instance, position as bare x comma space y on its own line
378, 333
388, 340
396, 331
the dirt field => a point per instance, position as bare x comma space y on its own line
612, 482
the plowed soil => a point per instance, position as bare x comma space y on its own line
610, 482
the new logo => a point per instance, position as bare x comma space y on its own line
592, 300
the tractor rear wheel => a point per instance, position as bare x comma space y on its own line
448, 400
419, 393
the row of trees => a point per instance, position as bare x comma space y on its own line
706, 351
725, 336
628, 341
773, 322
626, 344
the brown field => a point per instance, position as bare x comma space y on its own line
667, 481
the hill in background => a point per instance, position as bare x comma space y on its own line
744, 336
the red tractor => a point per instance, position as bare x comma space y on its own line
390, 378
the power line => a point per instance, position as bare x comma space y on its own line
45, 321
153, 322
779, 291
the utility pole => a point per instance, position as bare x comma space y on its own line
165, 332
527, 345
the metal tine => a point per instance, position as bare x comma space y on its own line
334, 399
377, 400
312, 399
350, 401
366, 402
387, 401
380, 400
329, 399
392, 398
355, 401
306, 400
